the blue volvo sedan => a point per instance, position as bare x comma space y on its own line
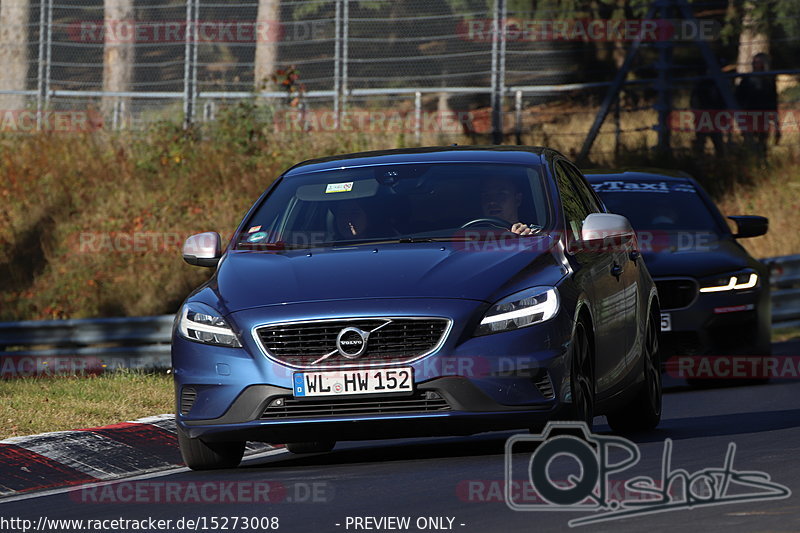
416, 292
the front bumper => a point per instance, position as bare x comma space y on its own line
491, 382
724, 323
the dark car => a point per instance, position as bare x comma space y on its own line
415, 292
714, 296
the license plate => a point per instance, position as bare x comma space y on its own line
666, 322
347, 382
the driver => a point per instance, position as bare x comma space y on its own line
500, 198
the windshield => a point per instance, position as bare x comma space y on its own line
657, 205
398, 203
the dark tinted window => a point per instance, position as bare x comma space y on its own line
657, 205
389, 202
583, 189
575, 210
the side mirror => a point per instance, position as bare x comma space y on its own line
750, 226
605, 231
203, 249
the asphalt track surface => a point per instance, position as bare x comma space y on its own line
462, 478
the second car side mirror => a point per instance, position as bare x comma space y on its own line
750, 226
203, 249
605, 231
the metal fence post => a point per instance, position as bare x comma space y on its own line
48, 53
345, 51
190, 64
40, 72
337, 59
498, 69
418, 117
518, 117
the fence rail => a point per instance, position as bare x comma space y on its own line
94, 345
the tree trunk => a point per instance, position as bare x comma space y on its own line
14, 16
268, 35
752, 40
118, 56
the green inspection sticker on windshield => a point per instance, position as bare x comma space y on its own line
339, 187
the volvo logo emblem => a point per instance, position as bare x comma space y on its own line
352, 342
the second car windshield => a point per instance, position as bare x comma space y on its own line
659, 206
401, 202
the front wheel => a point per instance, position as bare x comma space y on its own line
200, 455
582, 377
644, 412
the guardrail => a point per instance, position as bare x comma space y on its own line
94, 345
785, 282
84, 346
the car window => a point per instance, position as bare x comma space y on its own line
583, 188
575, 210
401, 201
668, 206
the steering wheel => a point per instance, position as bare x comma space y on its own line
491, 221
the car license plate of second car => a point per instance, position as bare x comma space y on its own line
666, 322
348, 382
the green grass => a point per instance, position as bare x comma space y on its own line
36, 405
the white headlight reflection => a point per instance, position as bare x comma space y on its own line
525, 308
201, 323
734, 284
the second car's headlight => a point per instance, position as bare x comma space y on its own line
730, 282
525, 308
201, 323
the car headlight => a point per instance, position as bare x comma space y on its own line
730, 282
525, 308
201, 323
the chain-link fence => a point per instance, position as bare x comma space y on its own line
422, 68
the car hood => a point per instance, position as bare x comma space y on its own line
695, 259
416, 270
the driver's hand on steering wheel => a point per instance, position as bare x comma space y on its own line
521, 229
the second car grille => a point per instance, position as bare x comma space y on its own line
676, 293
391, 340
421, 402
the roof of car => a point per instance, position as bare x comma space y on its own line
433, 154
637, 174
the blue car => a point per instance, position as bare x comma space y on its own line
417, 292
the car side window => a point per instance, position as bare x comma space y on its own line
575, 210
587, 194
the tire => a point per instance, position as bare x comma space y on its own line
644, 412
582, 377
311, 447
199, 455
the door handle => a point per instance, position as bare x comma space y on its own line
616, 271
